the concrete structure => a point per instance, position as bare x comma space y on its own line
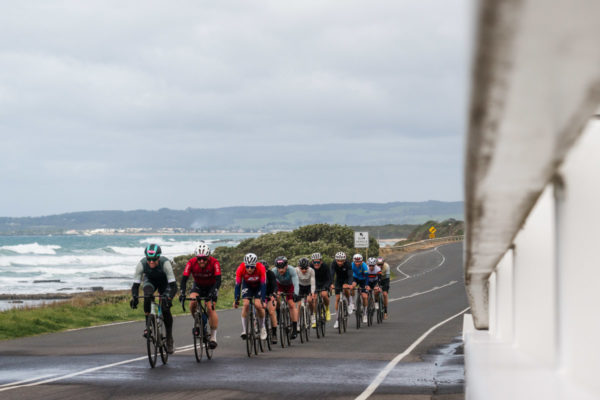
533, 202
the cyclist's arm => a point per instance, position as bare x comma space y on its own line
295, 281
350, 277
238, 283
168, 268
263, 283
217, 283
137, 279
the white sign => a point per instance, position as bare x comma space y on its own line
361, 240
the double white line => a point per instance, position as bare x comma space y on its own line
40, 380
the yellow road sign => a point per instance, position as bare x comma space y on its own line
432, 229
432, 235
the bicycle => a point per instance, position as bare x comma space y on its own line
156, 335
380, 311
284, 321
370, 308
252, 333
201, 331
305, 320
359, 307
321, 316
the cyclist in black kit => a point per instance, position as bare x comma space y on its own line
322, 279
157, 273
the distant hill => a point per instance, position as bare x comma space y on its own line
239, 218
449, 227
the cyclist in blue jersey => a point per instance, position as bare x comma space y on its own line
288, 285
359, 274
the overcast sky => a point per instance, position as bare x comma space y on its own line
140, 105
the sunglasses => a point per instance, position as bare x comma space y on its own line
380, 264
202, 258
250, 266
316, 262
281, 266
152, 259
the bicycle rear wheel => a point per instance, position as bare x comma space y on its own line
288, 326
162, 340
151, 340
206, 338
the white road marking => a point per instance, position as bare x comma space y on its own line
26, 380
406, 276
85, 371
388, 368
102, 326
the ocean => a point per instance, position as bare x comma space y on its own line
70, 264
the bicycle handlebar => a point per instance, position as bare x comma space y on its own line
196, 299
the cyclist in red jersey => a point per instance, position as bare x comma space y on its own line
251, 278
206, 272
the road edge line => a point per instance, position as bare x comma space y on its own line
388, 368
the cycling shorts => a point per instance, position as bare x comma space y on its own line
385, 284
304, 290
361, 283
287, 290
250, 291
204, 291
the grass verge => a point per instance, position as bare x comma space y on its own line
83, 311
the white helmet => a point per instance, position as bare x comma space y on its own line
340, 256
250, 259
316, 256
202, 250
371, 261
357, 257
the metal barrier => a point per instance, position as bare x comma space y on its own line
427, 241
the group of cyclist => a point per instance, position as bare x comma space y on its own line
255, 281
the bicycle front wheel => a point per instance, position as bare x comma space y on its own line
322, 315
151, 340
302, 323
249, 340
198, 339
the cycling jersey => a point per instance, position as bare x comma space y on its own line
256, 279
158, 277
373, 276
359, 272
341, 274
203, 276
287, 280
322, 276
306, 278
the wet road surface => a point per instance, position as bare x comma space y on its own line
110, 362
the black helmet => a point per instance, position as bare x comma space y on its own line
152, 251
281, 262
303, 263
265, 263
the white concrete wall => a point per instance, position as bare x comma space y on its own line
544, 296
578, 225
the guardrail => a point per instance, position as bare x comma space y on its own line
427, 241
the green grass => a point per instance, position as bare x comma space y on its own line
81, 312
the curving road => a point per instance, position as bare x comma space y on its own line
109, 361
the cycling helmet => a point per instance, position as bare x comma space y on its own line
153, 251
202, 250
315, 256
357, 257
340, 256
250, 259
371, 261
380, 260
281, 262
303, 263
265, 263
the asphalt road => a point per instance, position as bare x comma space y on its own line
110, 362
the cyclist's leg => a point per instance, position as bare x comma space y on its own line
193, 294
